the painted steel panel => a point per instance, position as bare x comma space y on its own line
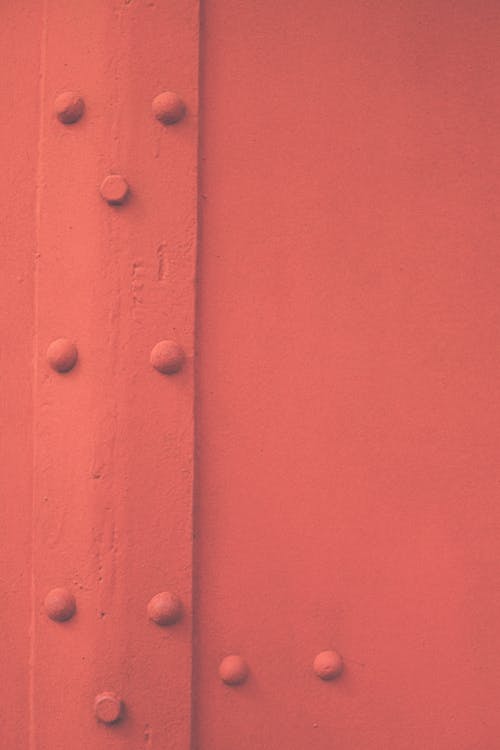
105, 515
347, 361
348, 374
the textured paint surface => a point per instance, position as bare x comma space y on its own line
18, 148
348, 374
98, 457
346, 513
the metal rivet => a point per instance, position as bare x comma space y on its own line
233, 670
108, 707
62, 355
167, 357
60, 604
328, 665
69, 107
114, 189
165, 608
168, 108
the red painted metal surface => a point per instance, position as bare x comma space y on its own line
344, 592
348, 375
99, 241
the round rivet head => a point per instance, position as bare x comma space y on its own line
69, 107
168, 107
114, 189
167, 357
233, 670
60, 604
108, 707
62, 355
165, 608
328, 665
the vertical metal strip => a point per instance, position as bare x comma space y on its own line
114, 432
35, 376
20, 42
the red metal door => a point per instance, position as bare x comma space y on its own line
346, 361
